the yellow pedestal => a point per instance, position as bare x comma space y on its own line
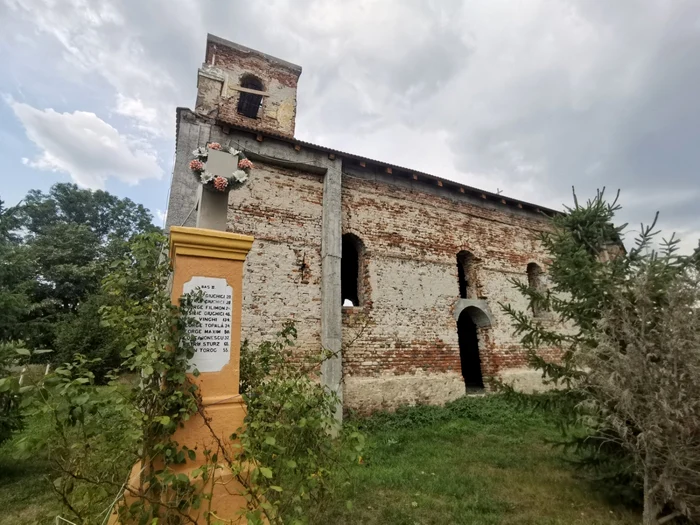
196, 252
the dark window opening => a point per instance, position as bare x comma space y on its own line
249, 103
534, 282
350, 270
469, 352
466, 275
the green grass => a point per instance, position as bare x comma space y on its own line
477, 461
26, 497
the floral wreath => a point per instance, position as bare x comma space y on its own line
237, 178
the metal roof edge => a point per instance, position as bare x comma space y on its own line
445, 182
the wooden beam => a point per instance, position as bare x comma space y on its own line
297, 147
388, 170
259, 137
363, 164
483, 195
248, 90
520, 205
331, 156
503, 201
461, 190
440, 183
415, 176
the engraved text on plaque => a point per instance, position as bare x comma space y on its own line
213, 335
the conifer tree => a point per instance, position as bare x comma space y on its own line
594, 287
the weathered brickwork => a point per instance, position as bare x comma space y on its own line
400, 345
411, 241
226, 65
282, 210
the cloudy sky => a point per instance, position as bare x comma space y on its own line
527, 97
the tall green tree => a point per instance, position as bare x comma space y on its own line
15, 274
64, 241
592, 281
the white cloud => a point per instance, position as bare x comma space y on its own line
85, 147
146, 118
160, 215
97, 39
531, 99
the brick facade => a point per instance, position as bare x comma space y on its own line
411, 239
400, 344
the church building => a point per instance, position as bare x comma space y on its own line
400, 273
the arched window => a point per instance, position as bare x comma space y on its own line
249, 103
469, 351
351, 270
534, 282
466, 273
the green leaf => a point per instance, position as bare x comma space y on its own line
81, 399
270, 440
267, 472
276, 488
23, 351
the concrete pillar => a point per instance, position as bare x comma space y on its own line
212, 209
331, 320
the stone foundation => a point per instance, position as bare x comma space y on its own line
387, 392
524, 380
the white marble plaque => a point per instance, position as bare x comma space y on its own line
212, 347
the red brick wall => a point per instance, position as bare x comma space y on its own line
411, 240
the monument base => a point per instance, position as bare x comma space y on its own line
224, 418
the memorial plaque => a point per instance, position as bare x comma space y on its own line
212, 347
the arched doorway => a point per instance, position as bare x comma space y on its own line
469, 351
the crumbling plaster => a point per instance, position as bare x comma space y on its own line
408, 350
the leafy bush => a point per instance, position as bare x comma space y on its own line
85, 334
644, 384
90, 442
99, 433
289, 453
289, 432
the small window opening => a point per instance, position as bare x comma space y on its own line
534, 282
249, 103
466, 273
350, 270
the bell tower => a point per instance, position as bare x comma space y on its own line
243, 87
